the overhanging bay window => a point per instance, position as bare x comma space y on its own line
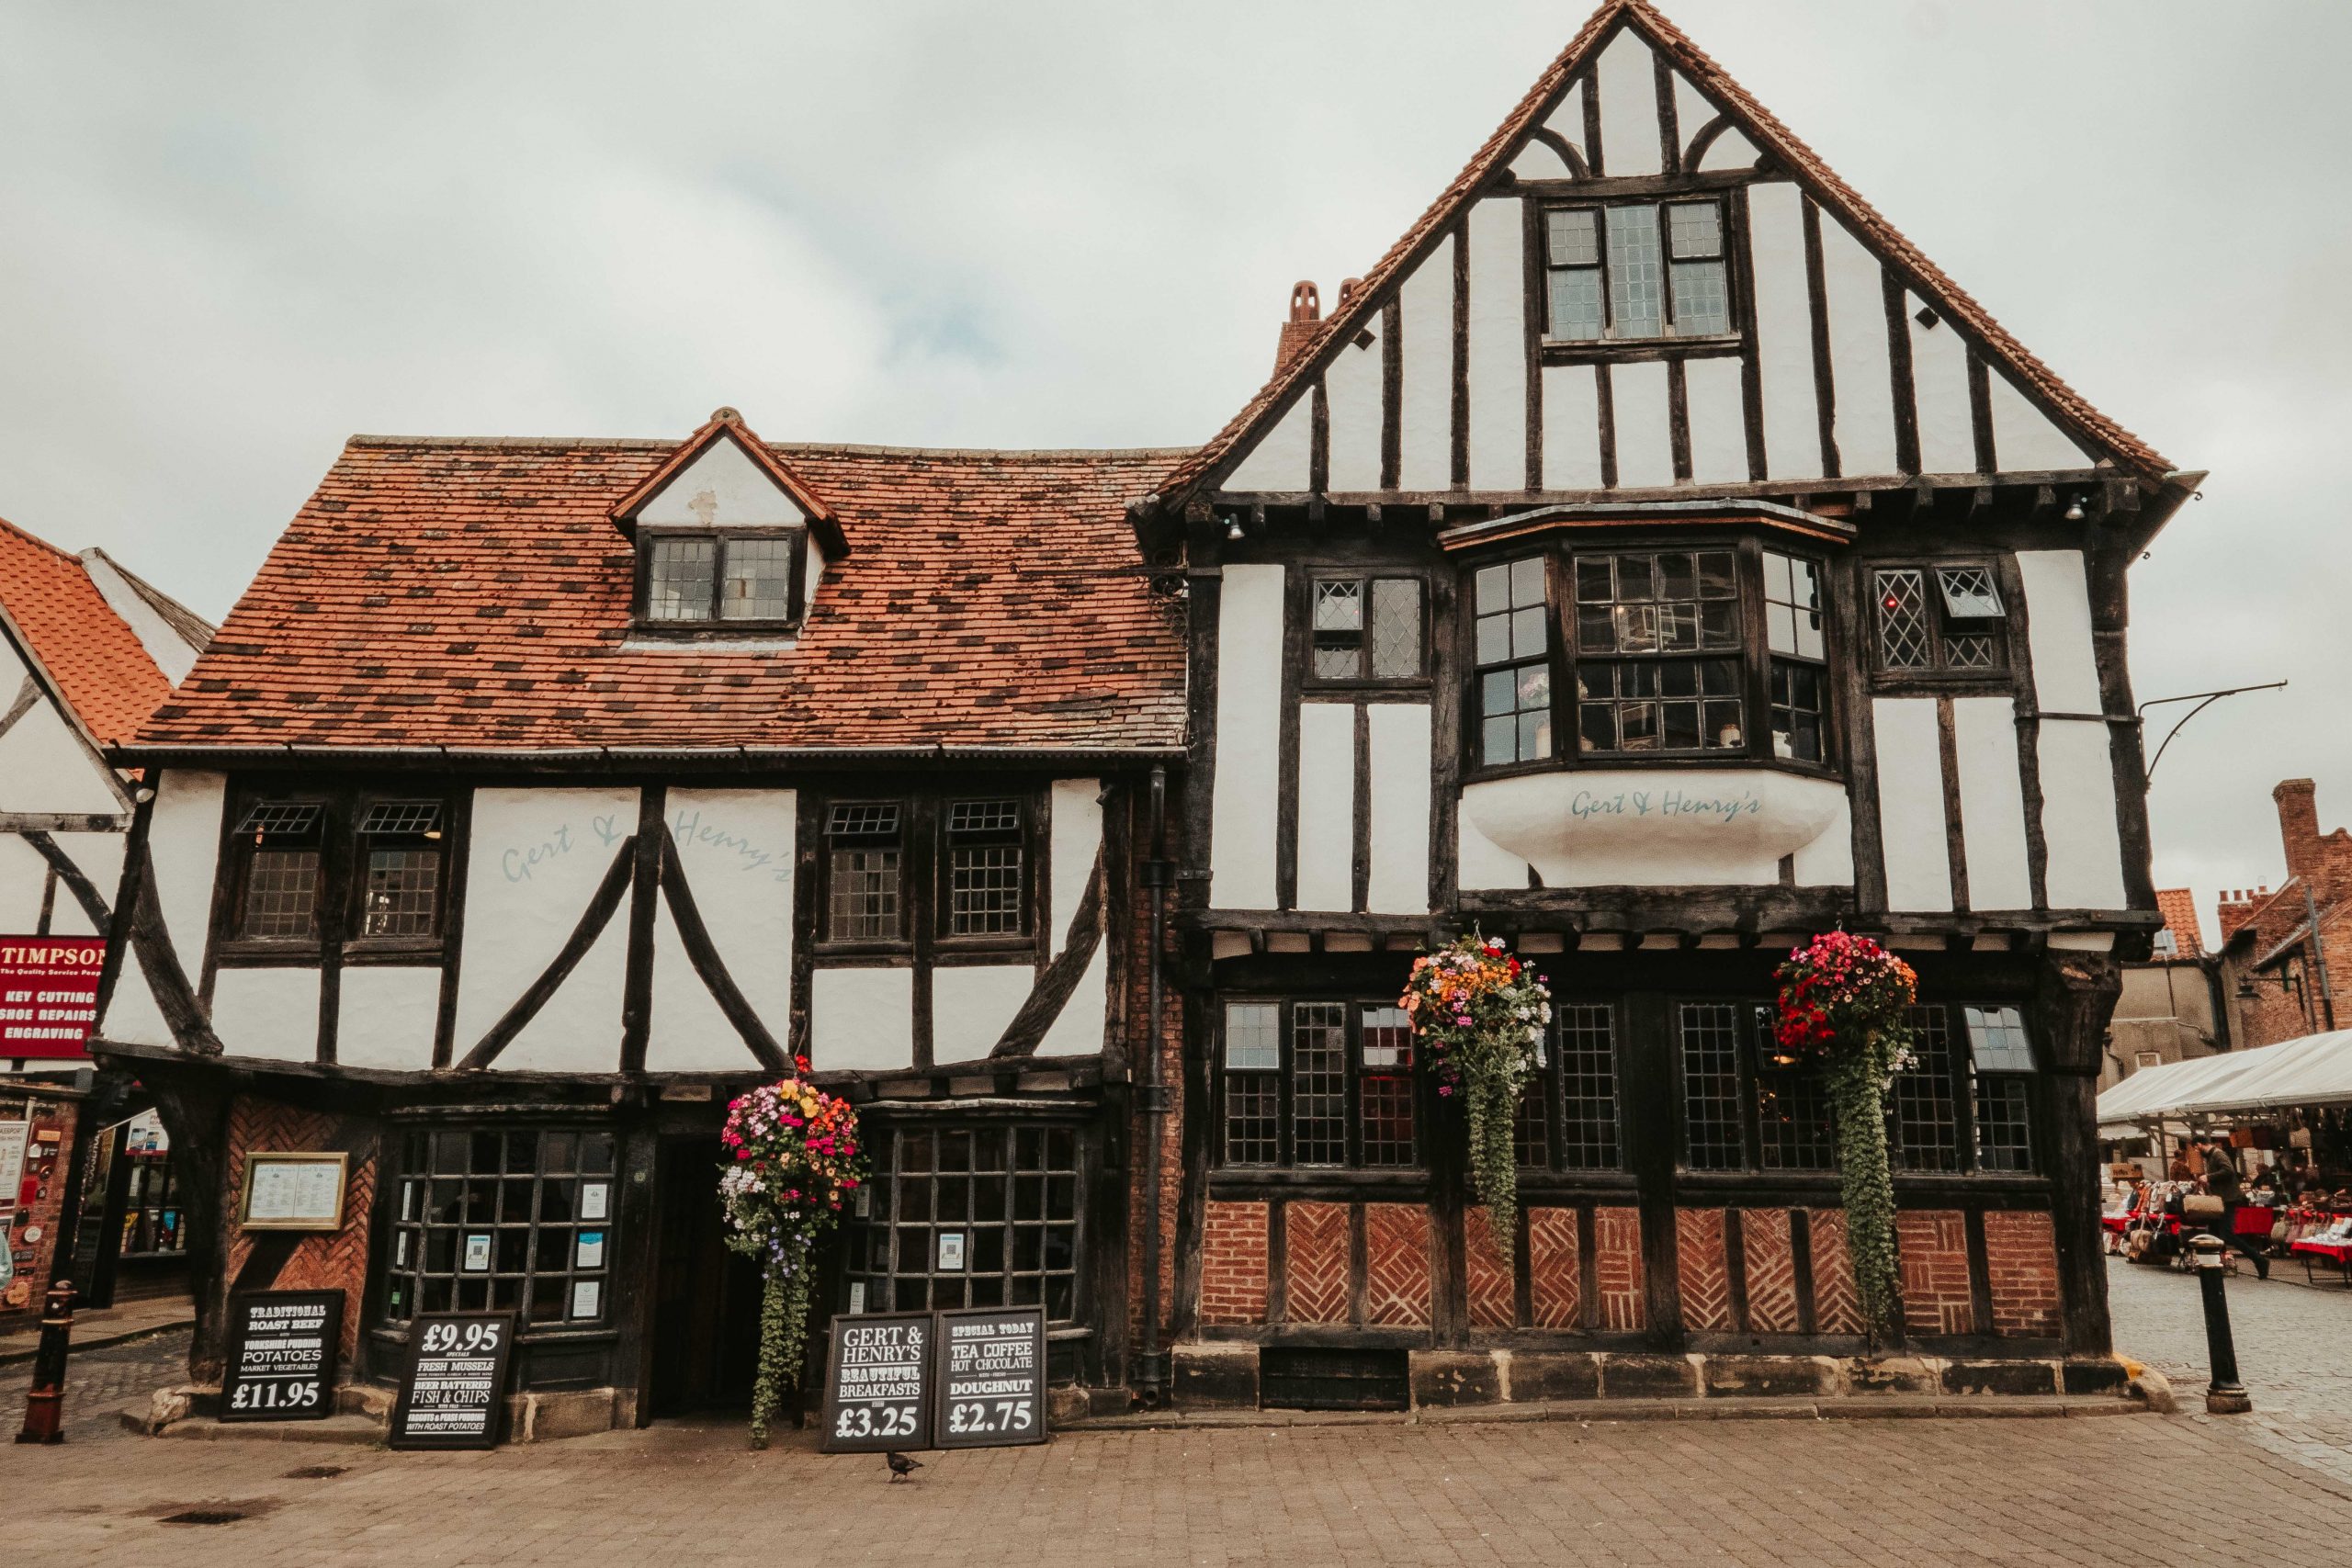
1317, 1084
1718, 650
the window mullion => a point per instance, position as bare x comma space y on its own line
1668, 326
1757, 651
1961, 1070
1559, 592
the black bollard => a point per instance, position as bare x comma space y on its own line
2224, 1395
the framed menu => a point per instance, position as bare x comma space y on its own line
282, 1346
293, 1191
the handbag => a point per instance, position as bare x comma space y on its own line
2202, 1206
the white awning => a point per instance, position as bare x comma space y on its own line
2315, 1070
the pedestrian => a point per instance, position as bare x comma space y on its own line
2180, 1170
2222, 1181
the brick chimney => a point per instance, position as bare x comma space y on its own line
2298, 826
1305, 315
2236, 907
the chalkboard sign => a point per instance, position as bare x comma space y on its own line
878, 1383
455, 1388
991, 1377
282, 1346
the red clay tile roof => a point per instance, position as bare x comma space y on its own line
89, 653
2179, 908
2068, 406
476, 595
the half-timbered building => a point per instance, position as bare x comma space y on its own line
1652, 559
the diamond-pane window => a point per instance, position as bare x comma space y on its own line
1959, 626
1969, 594
1903, 620
1396, 628
1361, 628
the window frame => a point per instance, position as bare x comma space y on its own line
1354, 1072
1939, 673
925, 870
1547, 1089
406, 1181
342, 893
1753, 653
1310, 581
642, 622
1550, 198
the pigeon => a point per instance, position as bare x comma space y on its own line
901, 1466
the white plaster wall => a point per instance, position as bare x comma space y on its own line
99, 858
1644, 445
970, 1007
1425, 386
1249, 739
23, 876
1783, 330
2078, 824
172, 652
1480, 862
183, 843
385, 1017
44, 765
735, 846
132, 1015
1399, 881
1691, 108
1992, 802
1076, 839
1279, 461
1078, 1031
1327, 805
1939, 396
267, 1012
2024, 441
1828, 861
1571, 427
2058, 609
725, 483
1352, 395
1911, 803
1628, 74
1853, 284
862, 1018
1732, 150
1718, 419
1536, 161
535, 860
1497, 345
1567, 120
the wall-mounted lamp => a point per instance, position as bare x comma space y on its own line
2074, 510
1233, 531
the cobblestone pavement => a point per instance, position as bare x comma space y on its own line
97, 1384
2294, 1345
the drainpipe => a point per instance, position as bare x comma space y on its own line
1155, 1107
2319, 957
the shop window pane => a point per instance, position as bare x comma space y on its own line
282, 893
1318, 1083
1587, 1052
403, 892
1927, 1122
2004, 1124
1713, 1137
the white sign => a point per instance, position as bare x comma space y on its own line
591, 1200
477, 1254
592, 1250
951, 1252
13, 1138
587, 1295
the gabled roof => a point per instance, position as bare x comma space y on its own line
726, 425
1299, 368
474, 595
2180, 908
87, 654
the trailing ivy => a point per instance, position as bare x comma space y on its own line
1479, 1015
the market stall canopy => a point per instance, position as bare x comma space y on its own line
2314, 1070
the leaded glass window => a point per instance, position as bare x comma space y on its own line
722, 576
1587, 1038
1673, 607
1317, 1083
1253, 1061
1793, 1123
1365, 628
1799, 677
679, 579
1927, 1125
969, 1215
1636, 270
1385, 1086
281, 896
1713, 1125
985, 868
866, 851
757, 585
1941, 618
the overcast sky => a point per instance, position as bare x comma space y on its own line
231, 234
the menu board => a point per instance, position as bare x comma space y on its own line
293, 1191
878, 1383
991, 1377
454, 1388
282, 1346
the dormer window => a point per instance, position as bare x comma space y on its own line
736, 576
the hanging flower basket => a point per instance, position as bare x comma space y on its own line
1844, 1002
1479, 1015
794, 1156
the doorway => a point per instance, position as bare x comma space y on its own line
706, 1298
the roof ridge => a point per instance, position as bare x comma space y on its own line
32, 538
1298, 368
803, 449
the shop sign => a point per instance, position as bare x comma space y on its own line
453, 1388
878, 1383
968, 1379
282, 1352
991, 1377
49, 994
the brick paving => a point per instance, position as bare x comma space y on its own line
2013, 1492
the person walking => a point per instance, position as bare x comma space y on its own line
2222, 1181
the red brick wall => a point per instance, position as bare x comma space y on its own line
1396, 1264
1771, 1270
1836, 1308
2022, 1253
46, 1160
1314, 1255
320, 1260
1617, 1246
1493, 1296
1705, 1274
1933, 1246
1554, 1275
1233, 1263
